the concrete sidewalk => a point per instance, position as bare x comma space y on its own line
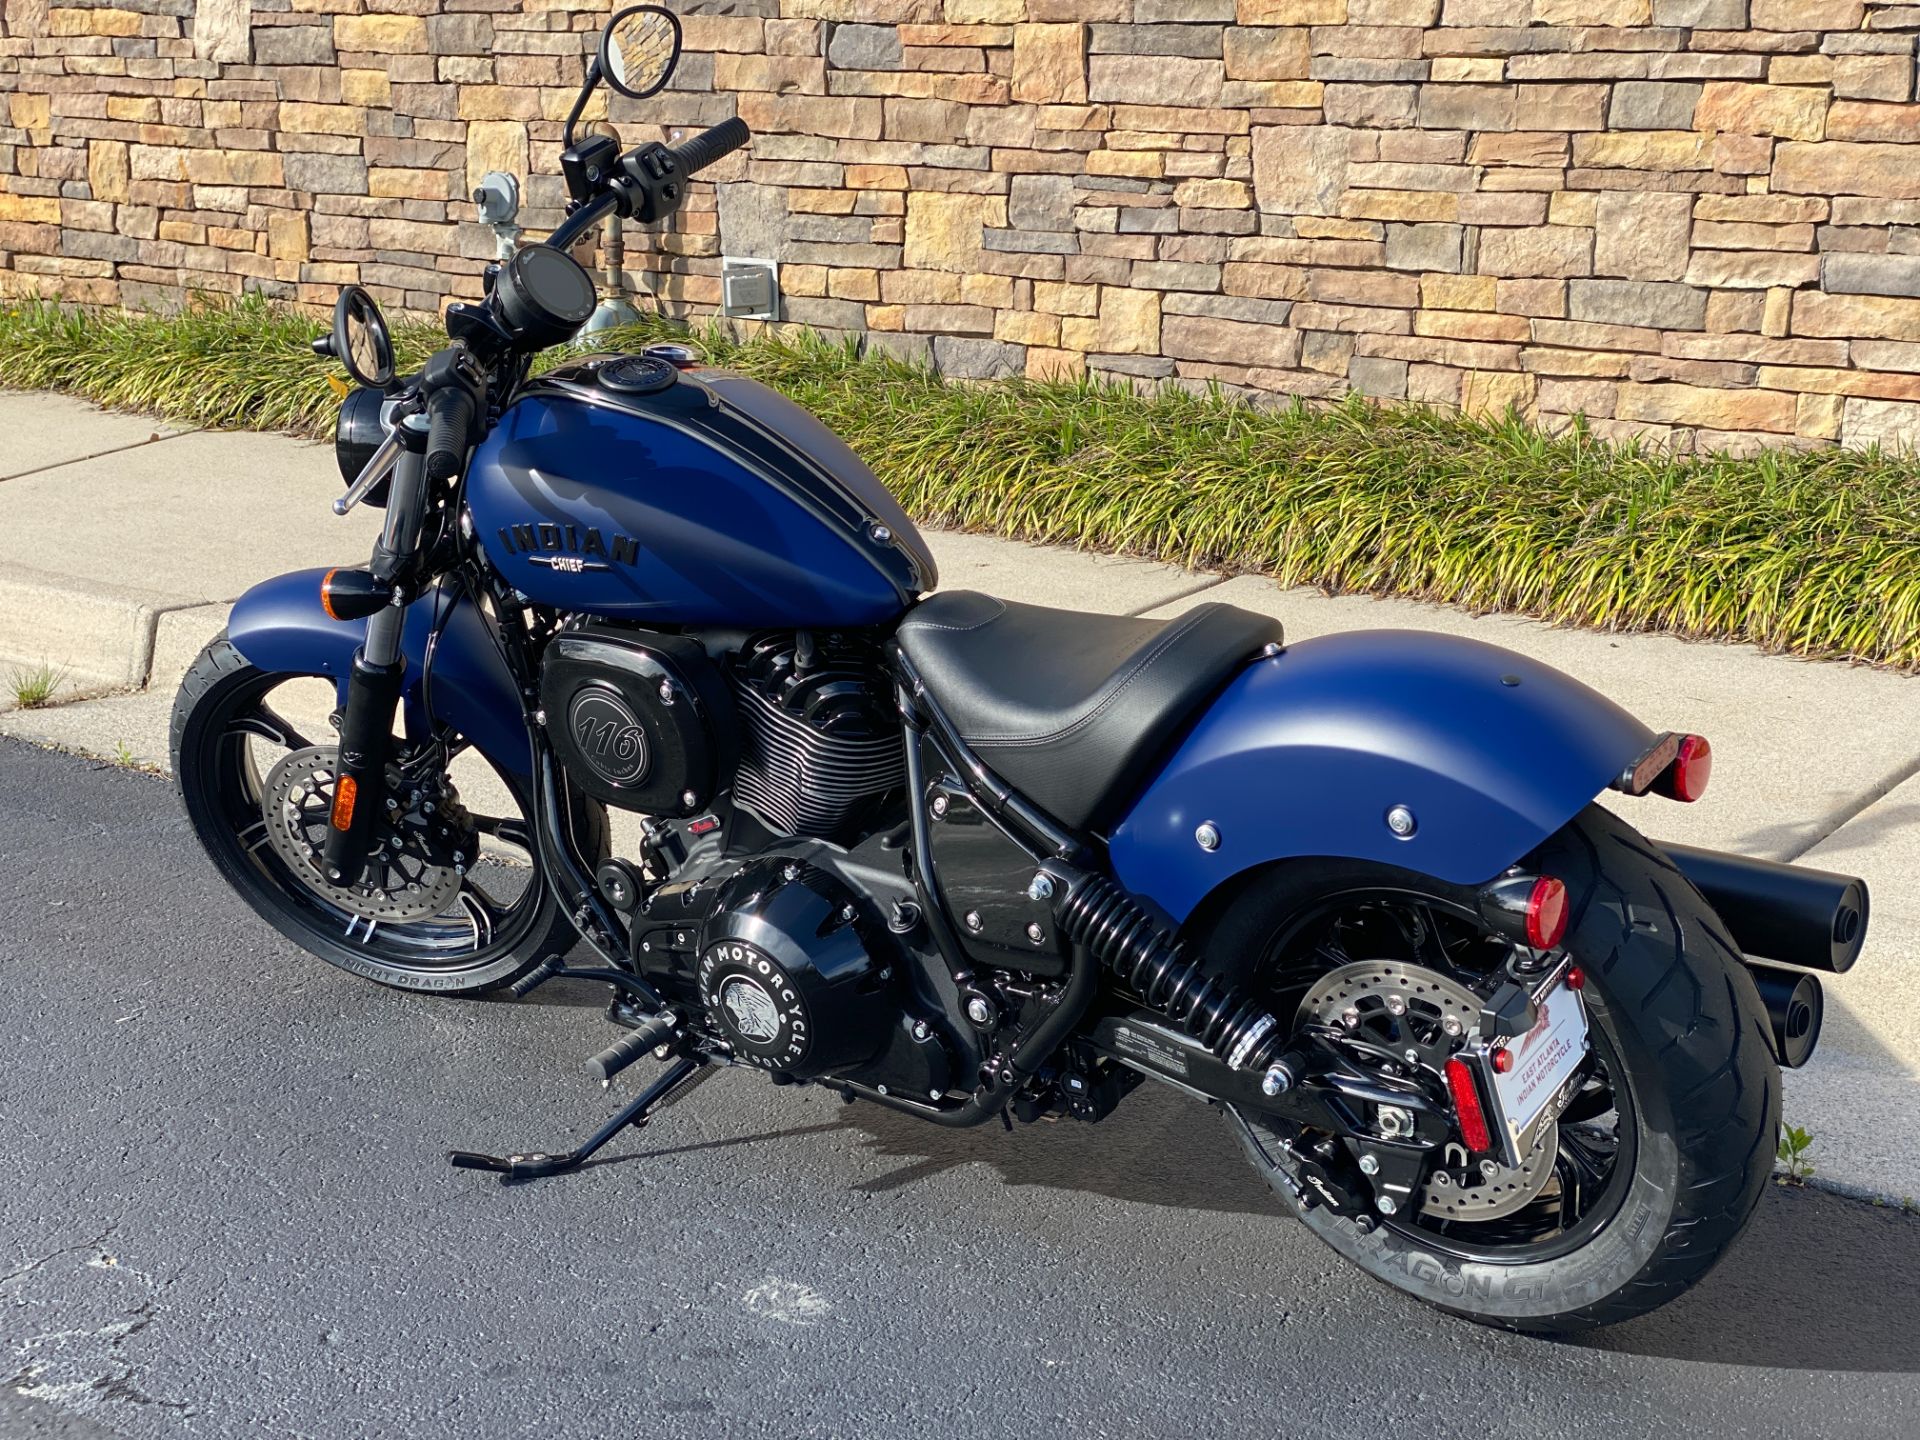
122, 543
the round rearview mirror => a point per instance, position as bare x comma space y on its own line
360, 339
639, 49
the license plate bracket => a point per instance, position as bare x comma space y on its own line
1547, 1067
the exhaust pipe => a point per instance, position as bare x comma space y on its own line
1795, 1007
1810, 918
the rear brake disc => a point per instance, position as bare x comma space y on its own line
1423, 1017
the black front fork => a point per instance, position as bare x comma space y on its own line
379, 667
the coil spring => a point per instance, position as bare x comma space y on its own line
1121, 935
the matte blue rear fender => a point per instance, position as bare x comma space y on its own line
1305, 753
279, 626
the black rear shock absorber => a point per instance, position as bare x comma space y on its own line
1095, 912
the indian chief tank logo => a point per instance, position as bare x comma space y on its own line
571, 549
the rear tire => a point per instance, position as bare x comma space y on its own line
222, 693
1672, 1005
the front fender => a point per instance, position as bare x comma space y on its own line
1305, 753
280, 627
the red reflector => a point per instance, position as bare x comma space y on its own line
1546, 913
1502, 1060
343, 797
1692, 768
1576, 978
1466, 1102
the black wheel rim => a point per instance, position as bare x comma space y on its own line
496, 906
1597, 1134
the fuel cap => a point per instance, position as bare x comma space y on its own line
637, 375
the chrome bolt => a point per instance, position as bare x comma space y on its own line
666, 692
847, 912
921, 1030
880, 1089
1453, 1027
939, 807
1035, 933
933, 1094
881, 534
1396, 1004
1401, 822
1369, 1165
1040, 887
979, 1011
689, 799
1387, 1207
1441, 1179
1207, 837
1488, 1169
540, 717
1350, 1019
1413, 1056
1270, 649
791, 872
1276, 1081
973, 921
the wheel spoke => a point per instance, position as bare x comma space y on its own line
268, 724
482, 913
508, 829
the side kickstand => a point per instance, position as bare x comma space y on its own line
680, 1079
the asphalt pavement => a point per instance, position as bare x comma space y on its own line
227, 1212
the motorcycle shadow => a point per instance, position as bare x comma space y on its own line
1818, 1282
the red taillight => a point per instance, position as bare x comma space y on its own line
1692, 768
1546, 913
1466, 1103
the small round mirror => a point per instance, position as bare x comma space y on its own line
360, 339
639, 49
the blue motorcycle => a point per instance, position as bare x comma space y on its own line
980, 861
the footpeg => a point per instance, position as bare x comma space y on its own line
651, 1033
535, 978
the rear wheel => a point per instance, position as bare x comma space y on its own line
1657, 1163
454, 902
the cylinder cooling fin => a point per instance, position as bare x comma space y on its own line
820, 746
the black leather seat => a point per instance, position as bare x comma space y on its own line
1067, 707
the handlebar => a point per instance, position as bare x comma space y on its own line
449, 424
712, 144
639, 178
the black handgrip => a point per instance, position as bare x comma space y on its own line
649, 1034
449, 423
711, 145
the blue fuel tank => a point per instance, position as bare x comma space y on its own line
618, 486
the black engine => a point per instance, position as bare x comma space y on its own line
795, 973
768, 773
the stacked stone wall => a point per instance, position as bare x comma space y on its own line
1692, 218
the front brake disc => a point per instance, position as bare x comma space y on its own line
402, 882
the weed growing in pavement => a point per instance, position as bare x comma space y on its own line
1814, 552
1792, 1151
35, 687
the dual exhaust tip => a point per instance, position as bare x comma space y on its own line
1784, 920
1791, 916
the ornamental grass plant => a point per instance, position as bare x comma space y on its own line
1814, 553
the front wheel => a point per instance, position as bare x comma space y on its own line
1658, 1161
453, 900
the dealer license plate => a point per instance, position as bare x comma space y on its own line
1545, 1072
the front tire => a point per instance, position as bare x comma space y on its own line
501, 922
1680, 1033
